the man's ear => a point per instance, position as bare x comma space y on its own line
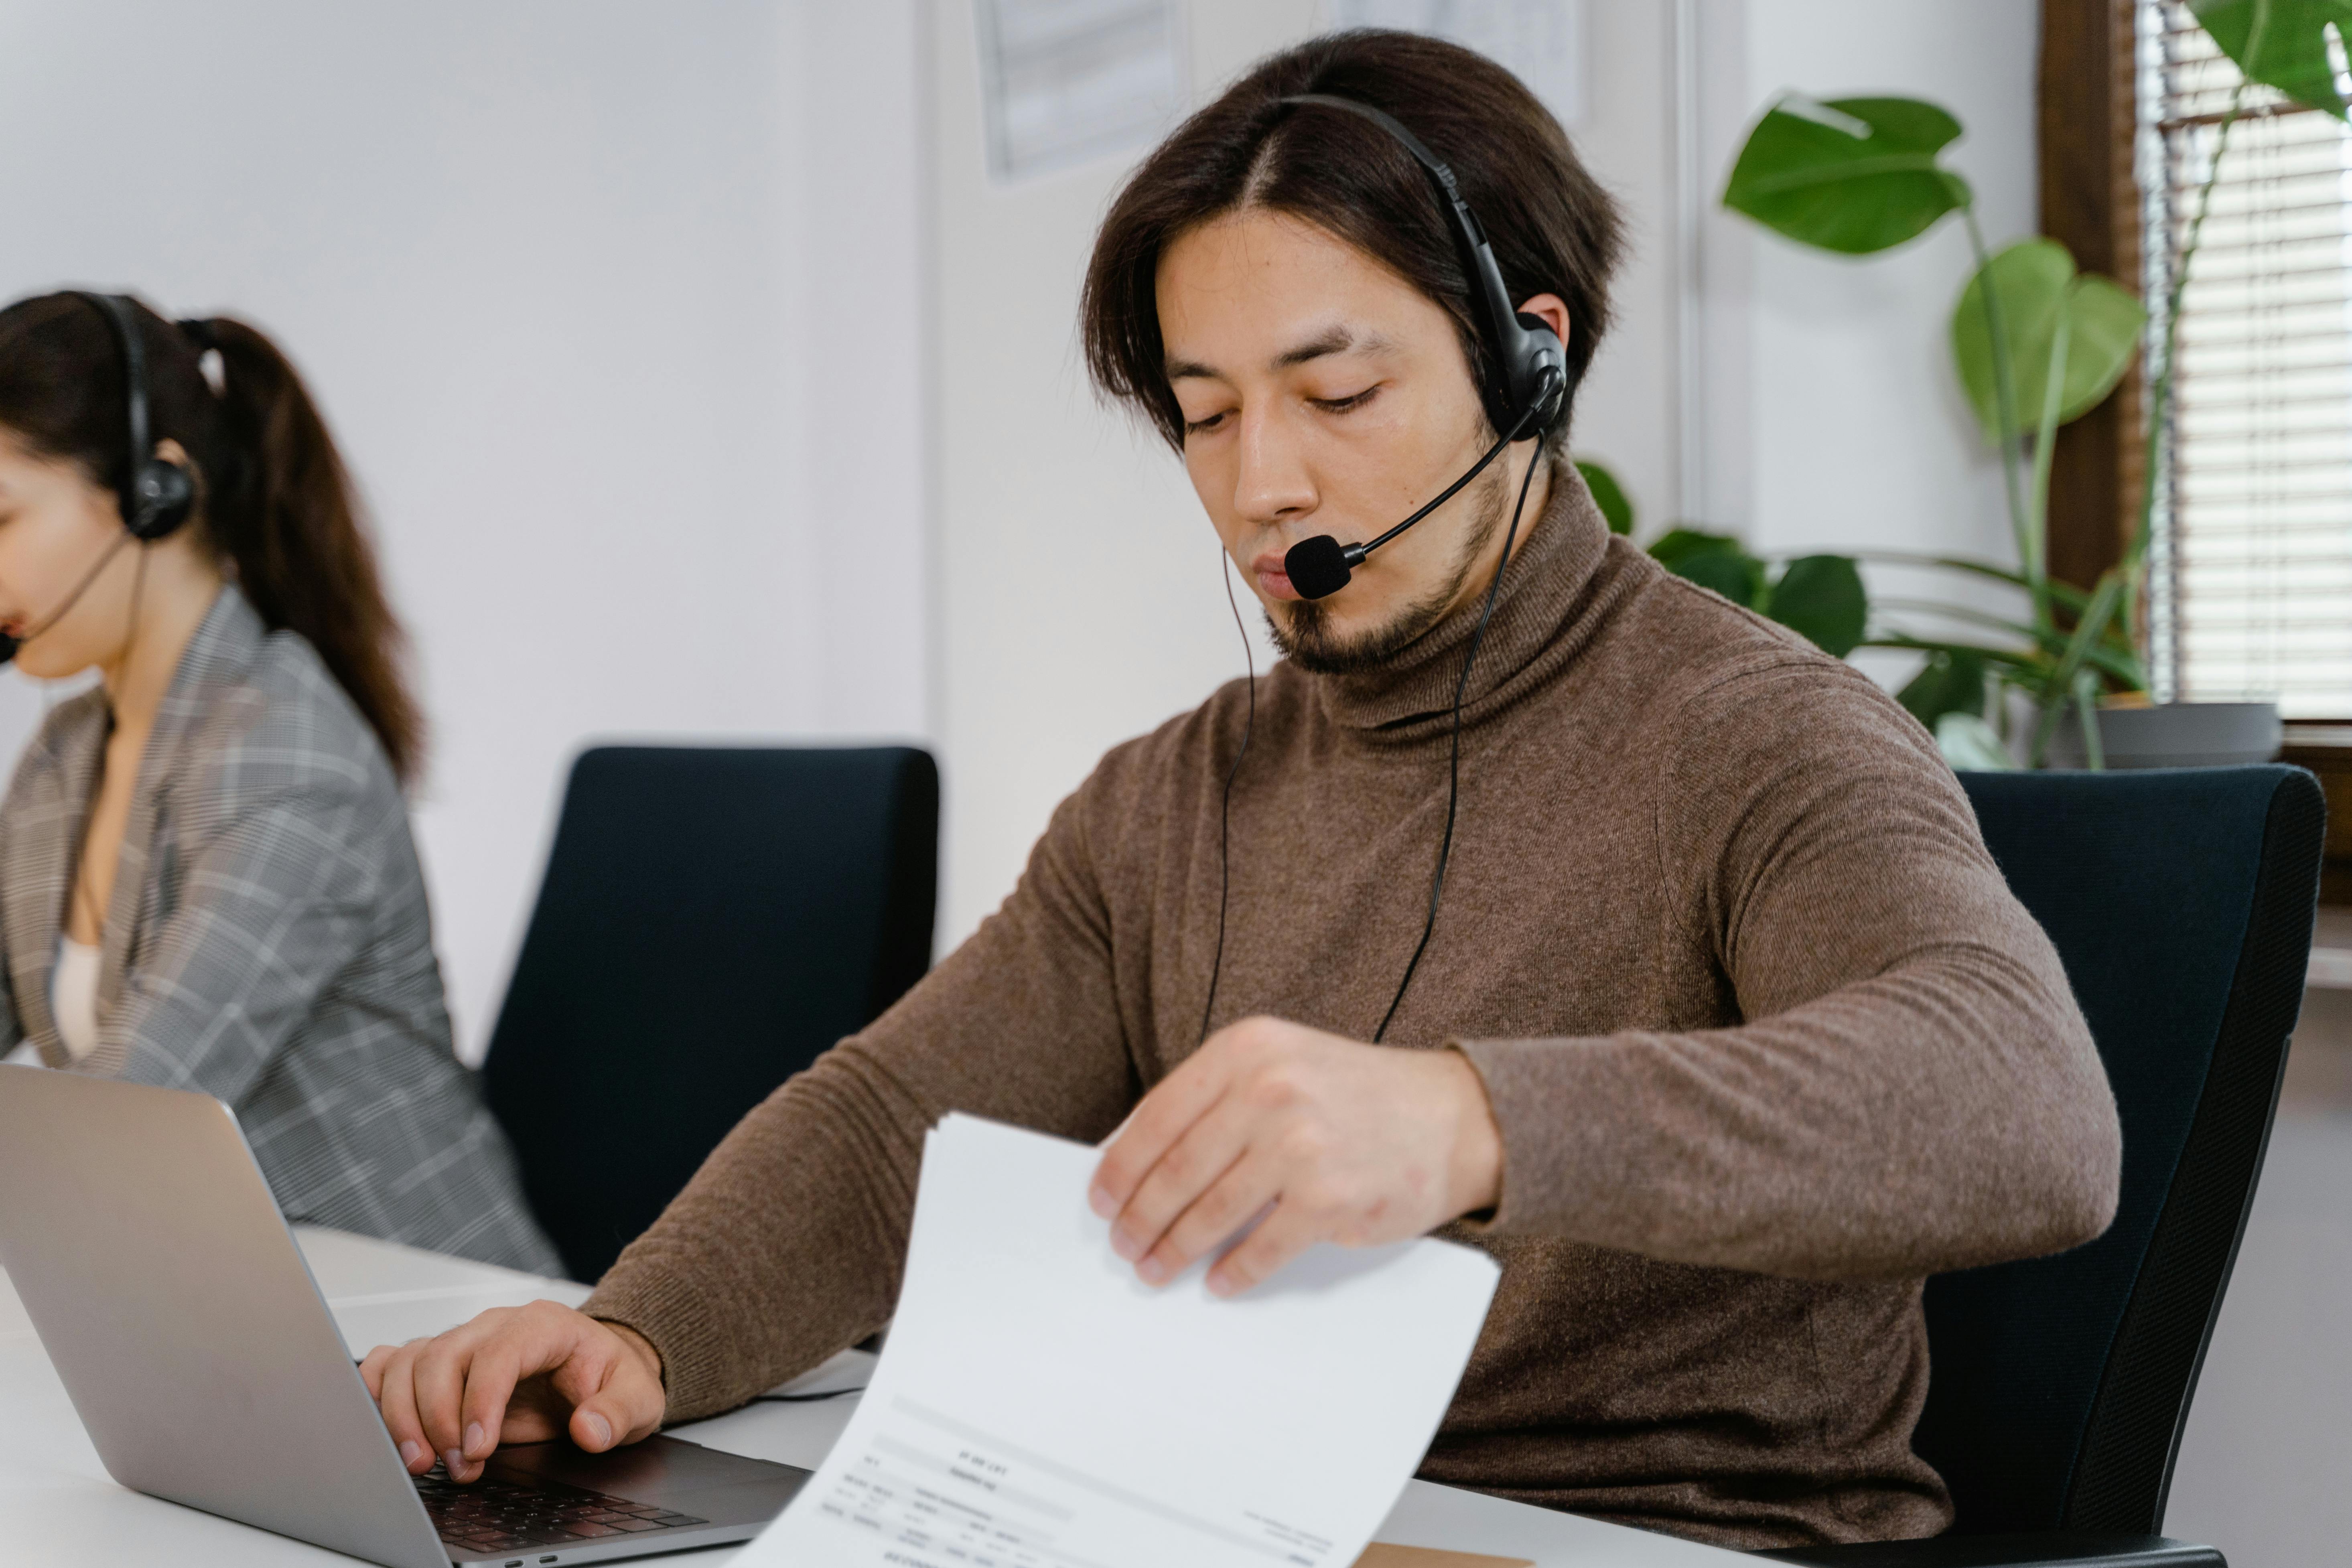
1550, 309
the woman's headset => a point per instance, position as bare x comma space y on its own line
156, 496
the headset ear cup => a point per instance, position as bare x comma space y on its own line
161, 495
1538, 351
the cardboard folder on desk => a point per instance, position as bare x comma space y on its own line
1036, 1403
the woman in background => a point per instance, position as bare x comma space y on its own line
207, 878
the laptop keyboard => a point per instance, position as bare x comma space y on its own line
489, 1516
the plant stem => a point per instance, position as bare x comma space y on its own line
2086, 698
2046, 447
2159, 391
2005, 398
2059, 686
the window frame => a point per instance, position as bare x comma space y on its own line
2087, 125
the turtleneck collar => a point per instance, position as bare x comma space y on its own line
1545, 613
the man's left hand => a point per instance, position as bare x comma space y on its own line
1345, 1142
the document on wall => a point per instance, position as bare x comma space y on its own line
1038, 1407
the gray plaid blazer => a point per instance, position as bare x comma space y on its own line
268, 941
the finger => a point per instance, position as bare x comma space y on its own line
398, 1403
616, 1414
613, 1401
490, 1380
371, 1367
1193, 1165
542, 1337
648, 1421
1288, 1231
440, 1384
638, 1379
1158, 1123
1238, 1196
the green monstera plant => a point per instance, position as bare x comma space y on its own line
1819, 597
2035, 343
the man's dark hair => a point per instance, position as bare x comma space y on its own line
1553, 228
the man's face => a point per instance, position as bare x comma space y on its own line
1322, 394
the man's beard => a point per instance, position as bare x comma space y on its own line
1302, 633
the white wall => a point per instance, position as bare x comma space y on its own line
632, 319
1797, 398
619, 326
1856, 435
1625, 411
1079, 591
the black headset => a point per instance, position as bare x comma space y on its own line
1525, 392
155, 496
1526, 387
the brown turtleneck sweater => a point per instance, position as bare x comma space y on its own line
1767, 1037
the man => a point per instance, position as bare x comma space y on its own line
1726, 1033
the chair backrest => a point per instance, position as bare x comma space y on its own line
712, 920
2181, 902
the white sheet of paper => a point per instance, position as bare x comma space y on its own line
1036, 1406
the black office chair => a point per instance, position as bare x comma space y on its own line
712, 918
2181, 902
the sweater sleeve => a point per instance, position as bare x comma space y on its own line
788, 1245
1912, 1088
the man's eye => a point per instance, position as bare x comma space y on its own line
1342, 405
1201, 426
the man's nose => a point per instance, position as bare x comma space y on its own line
1272, 485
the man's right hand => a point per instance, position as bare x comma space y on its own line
515, 1374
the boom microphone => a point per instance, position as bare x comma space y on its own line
1321, 566
154, 494
9, 644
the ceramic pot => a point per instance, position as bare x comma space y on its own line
2175, 735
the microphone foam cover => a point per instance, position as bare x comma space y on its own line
1317, 567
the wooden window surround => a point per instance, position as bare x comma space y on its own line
2087, 119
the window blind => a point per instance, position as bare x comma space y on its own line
2250, 569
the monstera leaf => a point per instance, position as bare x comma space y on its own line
2037, 290
1852, 174
2283, 43
1616, 507
1818, 597
1714, 561
1951, 681
1821, 597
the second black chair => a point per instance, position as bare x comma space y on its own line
712, 918
2180, 901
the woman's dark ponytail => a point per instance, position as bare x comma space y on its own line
272, 491
286, 514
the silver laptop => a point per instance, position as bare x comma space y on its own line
185, 1325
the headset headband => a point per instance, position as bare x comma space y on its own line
155, 496
1522, 346
125, 328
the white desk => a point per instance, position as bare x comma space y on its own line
58, 1505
